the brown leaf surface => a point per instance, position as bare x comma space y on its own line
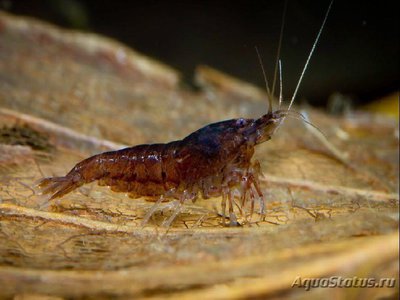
332, 208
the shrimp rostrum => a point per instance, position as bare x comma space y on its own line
214, 161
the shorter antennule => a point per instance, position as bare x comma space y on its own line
269, 95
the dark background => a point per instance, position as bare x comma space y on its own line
358, 54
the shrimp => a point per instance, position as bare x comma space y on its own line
214, 161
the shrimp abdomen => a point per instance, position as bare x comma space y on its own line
143, 170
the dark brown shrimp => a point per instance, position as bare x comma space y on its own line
213, 161
210, 162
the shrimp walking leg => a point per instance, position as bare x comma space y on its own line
253, 181
261, 197
152, 210
178, 206
252, 197
232, 216
223, 207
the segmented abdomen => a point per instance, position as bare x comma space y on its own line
143, 170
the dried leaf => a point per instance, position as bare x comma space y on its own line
332, 207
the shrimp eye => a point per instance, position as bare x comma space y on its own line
241, 122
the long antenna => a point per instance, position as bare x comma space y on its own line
266, 81
280, 85
278, 51
309, 56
